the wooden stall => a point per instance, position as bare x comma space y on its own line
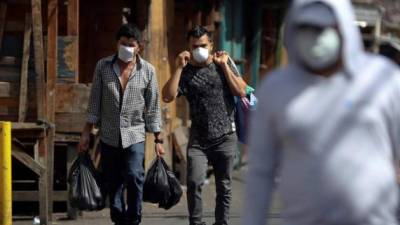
49, 49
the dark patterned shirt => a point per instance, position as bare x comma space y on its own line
211, 103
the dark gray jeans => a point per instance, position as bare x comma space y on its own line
221, 157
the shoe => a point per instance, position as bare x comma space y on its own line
202, 223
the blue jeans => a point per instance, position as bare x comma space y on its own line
123, 169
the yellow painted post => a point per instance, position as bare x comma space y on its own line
5, 174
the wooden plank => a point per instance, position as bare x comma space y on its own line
70, 122
39, 57
73, 17
52, 48
8, 102
72, 98
36, 151
3, 12
14, 26
10, 61
23, 92
72, 153
11, 90
44, 203
10, 74
73, 30
180, 141
52, 28
12, 102
27, 160
67, 138
7, 89
27, 126
10, 71
28, 135
157, 54
33, 196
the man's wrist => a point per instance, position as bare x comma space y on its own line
225, 65
157, 138
88, 128
159, 141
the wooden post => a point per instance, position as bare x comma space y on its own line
23, 92
39, 58
377, 35
72, 152
73, 30
43, 183
52, 34
3, 12
158, 56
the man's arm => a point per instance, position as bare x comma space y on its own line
94, 110
153, 121
170, 89
235, 82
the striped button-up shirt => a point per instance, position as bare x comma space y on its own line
124, 115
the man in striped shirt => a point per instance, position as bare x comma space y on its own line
124, 104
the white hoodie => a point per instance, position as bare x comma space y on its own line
331, 140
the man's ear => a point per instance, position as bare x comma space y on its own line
117, 45
211, 46
141, 46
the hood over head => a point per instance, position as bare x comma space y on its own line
337, 12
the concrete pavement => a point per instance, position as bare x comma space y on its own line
152, 215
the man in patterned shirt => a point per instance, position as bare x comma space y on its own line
124, 103
209, 84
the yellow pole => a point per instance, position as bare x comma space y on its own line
5, 174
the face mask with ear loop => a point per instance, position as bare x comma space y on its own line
126, 54
318, 49
200, 54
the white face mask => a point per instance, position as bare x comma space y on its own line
318, 49
200, 54
126, 54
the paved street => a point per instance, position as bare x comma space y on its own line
175, 216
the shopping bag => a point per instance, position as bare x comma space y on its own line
175, 190
84, 181
161, 186
156, 186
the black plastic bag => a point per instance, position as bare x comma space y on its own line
175, 191
156, 186
161, 185
84, 180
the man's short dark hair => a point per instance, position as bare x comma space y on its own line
199, 31
129, 31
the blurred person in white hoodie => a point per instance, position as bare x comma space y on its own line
328, 125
